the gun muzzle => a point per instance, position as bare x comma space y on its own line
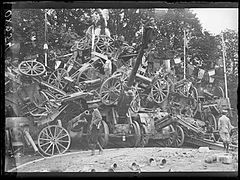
87, 112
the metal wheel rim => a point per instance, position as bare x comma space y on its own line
170, 141
135, 104
212, 121
53, 139
180, 136
105, 44
194, 107
160, 90
87, 74
110, 90
56, 78
31, 68
135, 140
104, 131
83, 43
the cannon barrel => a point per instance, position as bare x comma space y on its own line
157, 121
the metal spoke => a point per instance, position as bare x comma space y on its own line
58, 149
49, 147
44, 139
61, 145
53, 149
59, 133
45, 143
50, 131
62, 136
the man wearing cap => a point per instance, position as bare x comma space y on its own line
95, 129
225, 126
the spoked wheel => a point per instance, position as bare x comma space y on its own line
169, 142
57, 79
193, 94
135, 104
212, 121
54, 140
160, 90
122, 75
88, 74
104, 131
105, 44
218, 91
136, 132
31, 68
180, 136
110, 90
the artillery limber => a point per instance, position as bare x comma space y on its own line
45, 115
120, 95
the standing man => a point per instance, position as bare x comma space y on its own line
108, 67
95, 130
225, 126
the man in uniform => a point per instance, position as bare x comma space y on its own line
95, 130
225, 126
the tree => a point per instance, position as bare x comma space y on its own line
171, 27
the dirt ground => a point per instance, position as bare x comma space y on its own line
177, 160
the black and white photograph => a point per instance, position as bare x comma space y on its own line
93, 88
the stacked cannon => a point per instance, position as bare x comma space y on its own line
135, 107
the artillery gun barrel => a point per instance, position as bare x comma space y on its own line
143, 78
91, 82
135, 68
52, 117
49, 86
74, 96
157, 121
12, 77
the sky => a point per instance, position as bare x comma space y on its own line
216, 20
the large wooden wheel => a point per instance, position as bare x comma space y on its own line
110, 90
88, 74
193, 103
104, 131
57, 78
135, 105
212, 121
105, 44
180, 136
218, 91
54, 140
31, 68
169, 142
136, 132
159, 90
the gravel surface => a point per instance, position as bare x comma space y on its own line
177, 160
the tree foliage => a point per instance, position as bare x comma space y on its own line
66, 25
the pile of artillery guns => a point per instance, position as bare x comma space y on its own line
138, 110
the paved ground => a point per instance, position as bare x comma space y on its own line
177, 160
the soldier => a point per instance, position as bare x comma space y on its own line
95, 130
225, 127
108, 67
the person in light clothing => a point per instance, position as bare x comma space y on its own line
225, 127
95, 130
108, 67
